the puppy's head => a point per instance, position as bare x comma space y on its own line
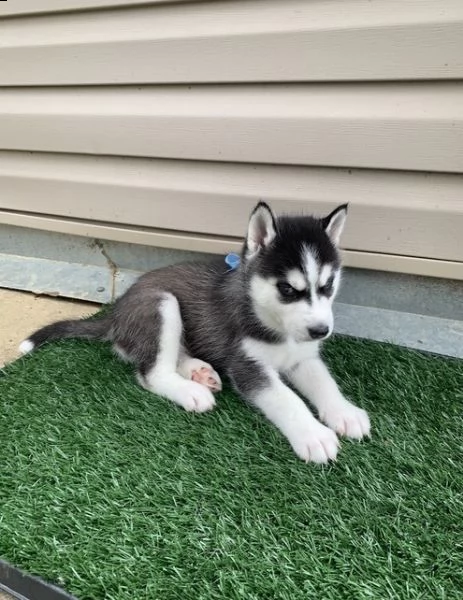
293, 269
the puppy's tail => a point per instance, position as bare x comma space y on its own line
90, 329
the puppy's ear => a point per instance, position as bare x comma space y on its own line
261, 229
334, 223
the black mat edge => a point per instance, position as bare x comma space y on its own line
22, 586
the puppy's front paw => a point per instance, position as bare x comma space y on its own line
315, 443
346, 419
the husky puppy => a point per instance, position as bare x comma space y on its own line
259, 324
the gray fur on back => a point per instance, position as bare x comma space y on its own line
215, 309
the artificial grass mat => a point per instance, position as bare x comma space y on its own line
113, 493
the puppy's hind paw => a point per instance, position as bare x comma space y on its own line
194, 397
200, 372
208, 377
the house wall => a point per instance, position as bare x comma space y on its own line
162, 123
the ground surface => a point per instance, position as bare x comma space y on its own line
21, 313
115, 494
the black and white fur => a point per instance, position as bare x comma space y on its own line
260, 325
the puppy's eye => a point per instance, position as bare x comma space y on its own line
327, 289
287, 291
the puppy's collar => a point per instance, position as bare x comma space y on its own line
233, 261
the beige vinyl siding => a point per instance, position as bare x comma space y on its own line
236, 41
399, 126
396, 212
24, 7
164, 123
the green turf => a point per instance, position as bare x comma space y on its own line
115, 494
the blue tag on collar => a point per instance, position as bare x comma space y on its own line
233, 261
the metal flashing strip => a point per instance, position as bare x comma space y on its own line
419, 332
22, 586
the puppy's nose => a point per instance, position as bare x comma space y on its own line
318, 332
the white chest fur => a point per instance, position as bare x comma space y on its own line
282, 357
